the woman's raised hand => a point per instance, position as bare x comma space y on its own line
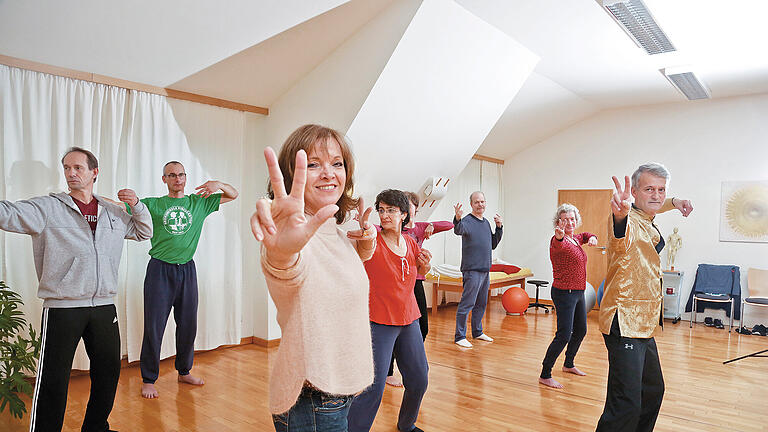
367, 230
281, 224
559, 230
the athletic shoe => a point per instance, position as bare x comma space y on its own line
484, 337
708, 322
718, 324
464, 343
743, 330
760, 330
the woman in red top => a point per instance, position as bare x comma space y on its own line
394, 315
569, 279
420, 231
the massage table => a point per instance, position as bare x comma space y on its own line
450, 280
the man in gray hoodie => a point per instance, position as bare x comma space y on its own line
77, 241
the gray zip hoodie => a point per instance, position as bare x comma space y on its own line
75, 266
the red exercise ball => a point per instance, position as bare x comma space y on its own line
515, 300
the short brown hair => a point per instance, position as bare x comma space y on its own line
395, 198
93, 163
306, 138
412, 197
173, 162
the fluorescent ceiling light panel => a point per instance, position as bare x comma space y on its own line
636, 20
686, 81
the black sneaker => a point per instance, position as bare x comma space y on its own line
718, 324
708, 322
743, 330
759, 329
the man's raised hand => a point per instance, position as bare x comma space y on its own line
458, 211
620, 204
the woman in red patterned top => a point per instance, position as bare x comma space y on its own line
569, 279
394, 316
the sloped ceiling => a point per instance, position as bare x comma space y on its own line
151, 42
253, 51
262, 73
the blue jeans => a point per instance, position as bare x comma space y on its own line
408, 346
474, 297
315, 411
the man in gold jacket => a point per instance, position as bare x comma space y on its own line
631, 308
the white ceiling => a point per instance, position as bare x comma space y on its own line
147, 41
589, 64
253, 51
262, 73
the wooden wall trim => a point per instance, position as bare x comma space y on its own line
266, 343
130, 85
488, 159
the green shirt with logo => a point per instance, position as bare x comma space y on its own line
177, 224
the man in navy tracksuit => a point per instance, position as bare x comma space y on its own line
477, 241
77, 241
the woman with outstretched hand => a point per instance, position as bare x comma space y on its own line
394, 315
315, 277
569, 274
420, 231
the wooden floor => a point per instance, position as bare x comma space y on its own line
491, 387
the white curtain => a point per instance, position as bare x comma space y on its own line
133, 134
477, 175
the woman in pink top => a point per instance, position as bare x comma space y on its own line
315, 277
394, 315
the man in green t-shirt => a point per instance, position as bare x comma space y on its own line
171, 280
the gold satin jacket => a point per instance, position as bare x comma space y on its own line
633, 283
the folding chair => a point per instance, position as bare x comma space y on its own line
715, 284
757, 284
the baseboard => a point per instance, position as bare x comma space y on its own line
266, 343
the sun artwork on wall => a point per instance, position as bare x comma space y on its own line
744, 212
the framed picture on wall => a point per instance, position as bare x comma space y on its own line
744, 211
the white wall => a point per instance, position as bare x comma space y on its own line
702, 144
330, 95
446, 84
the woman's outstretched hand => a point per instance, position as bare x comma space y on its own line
281, 224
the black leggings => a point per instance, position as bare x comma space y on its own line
421, 300
571, 328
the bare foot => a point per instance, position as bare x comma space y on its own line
394, 381
574, 370
149, 391
190, 379
550, 382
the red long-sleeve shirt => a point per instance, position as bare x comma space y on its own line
569, 262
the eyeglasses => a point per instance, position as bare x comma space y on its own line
390, 211
173, 176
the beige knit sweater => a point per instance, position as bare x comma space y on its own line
322, 309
